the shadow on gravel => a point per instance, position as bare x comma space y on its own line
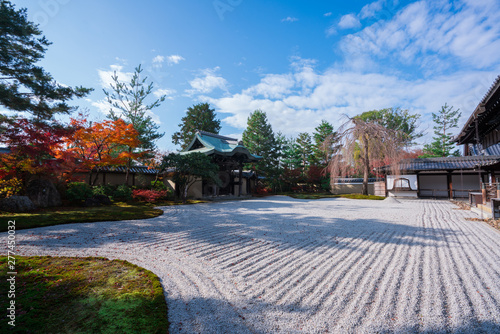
220, 317
230, 223
471, 327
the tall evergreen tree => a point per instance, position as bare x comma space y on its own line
24, 86
325, 143
198, 117
128, 102
305, 150
291, 154
259, 138
442, 145
401, 121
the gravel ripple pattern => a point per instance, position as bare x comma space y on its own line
283, 265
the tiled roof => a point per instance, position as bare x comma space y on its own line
133, 169
485, 114
210, 143
443, 164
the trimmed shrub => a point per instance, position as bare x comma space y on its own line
149, 196
122, 192
78, 191
98, 190
158, 185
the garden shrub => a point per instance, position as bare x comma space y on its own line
263, 190
78, 191
122, 192
149, 196
10, 187
158, 185
98, 190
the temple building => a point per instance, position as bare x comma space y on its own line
230, 155
475, 173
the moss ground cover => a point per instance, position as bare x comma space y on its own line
318, 196
66, 215
84, 295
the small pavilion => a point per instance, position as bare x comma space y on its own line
230, 155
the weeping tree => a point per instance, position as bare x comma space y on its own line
365, 143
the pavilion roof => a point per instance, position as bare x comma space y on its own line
213, 144
487, 115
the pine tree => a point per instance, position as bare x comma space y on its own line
397, 119
325, 140
198, 117
305, 150
445, 120
259, 139
128, 102
25, 87
291, 154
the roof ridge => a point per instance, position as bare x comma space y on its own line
490, 90
214, 135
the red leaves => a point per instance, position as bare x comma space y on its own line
95, 144
149, 196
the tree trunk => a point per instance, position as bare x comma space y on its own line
366, 167
184, 195
127, 167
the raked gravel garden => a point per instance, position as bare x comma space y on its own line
284, 265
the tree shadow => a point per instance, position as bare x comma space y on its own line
226, 223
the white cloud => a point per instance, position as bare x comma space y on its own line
102, 106
171, 60
432, 35
167, 92
332, 30
158, 59
297, 101
175, 59
327, 14
349, 21
289, 19
372, 9
105, 76
207, 82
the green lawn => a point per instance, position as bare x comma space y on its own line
319, 195
78, 214
65, 215
83, 295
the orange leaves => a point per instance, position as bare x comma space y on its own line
96, 144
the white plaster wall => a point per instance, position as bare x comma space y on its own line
412, 194
411, 178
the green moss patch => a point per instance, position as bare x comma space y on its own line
84, 295
318, 196
66, 215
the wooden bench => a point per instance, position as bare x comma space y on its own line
475, 199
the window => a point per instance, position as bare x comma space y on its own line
401, 184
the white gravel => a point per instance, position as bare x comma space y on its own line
283, 265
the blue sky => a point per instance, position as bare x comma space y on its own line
299, 61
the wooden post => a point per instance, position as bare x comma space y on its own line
418, 184
240, 179
483, 192
450, 185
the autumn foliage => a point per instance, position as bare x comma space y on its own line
38, 148
149, 196
98, 144
33, 148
